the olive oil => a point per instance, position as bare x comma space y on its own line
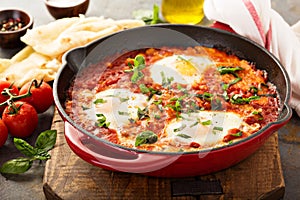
183, 11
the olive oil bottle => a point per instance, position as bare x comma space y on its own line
183, 11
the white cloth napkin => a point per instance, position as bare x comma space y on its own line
256, 20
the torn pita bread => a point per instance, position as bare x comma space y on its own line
64, 34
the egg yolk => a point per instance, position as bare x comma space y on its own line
185, 67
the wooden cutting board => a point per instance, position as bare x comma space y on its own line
69, 177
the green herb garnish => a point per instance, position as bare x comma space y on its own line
205, 96
217, 128
123, 113
194, 124
226, 86
238, 134
45, 142
144, 88
229, 70
166, 81
206, 123
146, 137
143, 113
237, 99
101, 121
138, 65
184, 136
98, 101
183, 126
123, 99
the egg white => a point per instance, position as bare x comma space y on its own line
202, 127
118, 106
184, 69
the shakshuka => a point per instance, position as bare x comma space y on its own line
173, 99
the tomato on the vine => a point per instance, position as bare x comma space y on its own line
3, 97
21, 119
41, 97
3, 133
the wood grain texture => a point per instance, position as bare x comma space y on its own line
69, 177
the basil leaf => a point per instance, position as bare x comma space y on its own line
24, 147
16, 166
137, 75
42, 155
139, 64
140, 60
146, 137
46, 140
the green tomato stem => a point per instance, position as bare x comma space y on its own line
12, 98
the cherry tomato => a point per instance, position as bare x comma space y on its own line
14, 90
20, 123
41, 96
3, 133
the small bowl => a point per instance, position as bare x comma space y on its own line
11, 32
66, 8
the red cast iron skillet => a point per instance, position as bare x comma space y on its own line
113, 157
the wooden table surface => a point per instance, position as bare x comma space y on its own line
29, 185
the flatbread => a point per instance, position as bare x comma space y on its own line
64, 34
35, 66
46, 44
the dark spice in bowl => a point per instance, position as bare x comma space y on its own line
13, 25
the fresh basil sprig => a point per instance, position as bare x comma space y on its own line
138, 65
45, 142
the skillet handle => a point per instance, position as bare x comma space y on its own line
116, 158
